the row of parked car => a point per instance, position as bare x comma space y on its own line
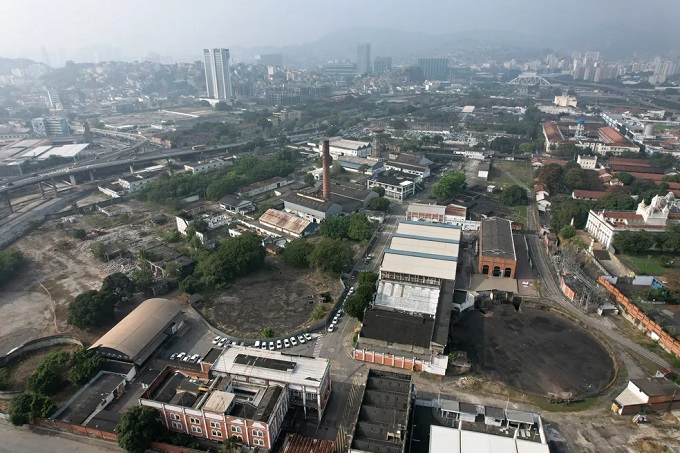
336, 318
184, 357
285, 343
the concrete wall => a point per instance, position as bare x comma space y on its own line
36, 344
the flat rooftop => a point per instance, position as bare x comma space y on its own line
420, 264
397, 327
244, 361
429, 229
91, 397
496, 239
424, 244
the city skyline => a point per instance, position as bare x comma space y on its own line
244, 25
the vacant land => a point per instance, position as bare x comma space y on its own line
647, 264
520, 169
22, 368
59, 268
534, 351
279, 296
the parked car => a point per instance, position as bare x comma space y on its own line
195, 357
257, 343
271, 346
286, 343
308, 337
335, 320
174, 356
331, 328
264, 345
339, 313
181, 355
222, 342
279, 345
186, 359
216, 340
293, 341
301, 339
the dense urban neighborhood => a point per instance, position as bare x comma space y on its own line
468, 251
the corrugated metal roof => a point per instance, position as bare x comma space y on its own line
296, 443
407, 297
434, 247
285, 221
418, 265
444, 440
422, 208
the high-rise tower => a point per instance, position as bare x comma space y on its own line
217, 73
364, 59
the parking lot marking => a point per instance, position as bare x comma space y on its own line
318, 345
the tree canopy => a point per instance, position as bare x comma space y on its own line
138, 427
448, 185
379, 204
514, 196
29, 406
297, 252
11, 263
332, 255
119, 285
91, 309
50, 373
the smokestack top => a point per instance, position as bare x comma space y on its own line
326, 162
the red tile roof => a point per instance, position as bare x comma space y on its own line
296, 443
625, 161
609, 135
587, 194
552, 131
540, 187
647, 176
636, 169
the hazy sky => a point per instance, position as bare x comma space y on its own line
181, 28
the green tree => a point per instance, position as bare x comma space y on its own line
297, 253
575, 178
379, 204
332, 255
91, 309
360, 228
568, 231
626, 178
79, 234
448, 185
119, 285
368, 278
310, 180
84, 365
138, 427
49, 374
11, 263
231, 444
552, 175
356, 304
222, 107
267, 332
173, 237
336, 227
319, 312
616, 201
380, 190
514, 196
143, 278
527, 147
29, 406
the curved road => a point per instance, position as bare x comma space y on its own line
550, 281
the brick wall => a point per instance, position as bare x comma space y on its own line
379, 358
641, 320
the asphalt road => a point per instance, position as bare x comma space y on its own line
549, 277
27, 439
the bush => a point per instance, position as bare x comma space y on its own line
568, 232
267, 332
379, 204
319, 312
29, 406
79, 234
11, 263
5, 380
84, 365
332, 255
49, 375
99, 251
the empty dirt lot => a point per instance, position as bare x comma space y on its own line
534, 351
276, 297
59, 268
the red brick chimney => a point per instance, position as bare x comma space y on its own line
326, 156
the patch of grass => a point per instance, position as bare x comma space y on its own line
497, 177
645, 264
520, 169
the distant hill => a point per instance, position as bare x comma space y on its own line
7, 64
611, 39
